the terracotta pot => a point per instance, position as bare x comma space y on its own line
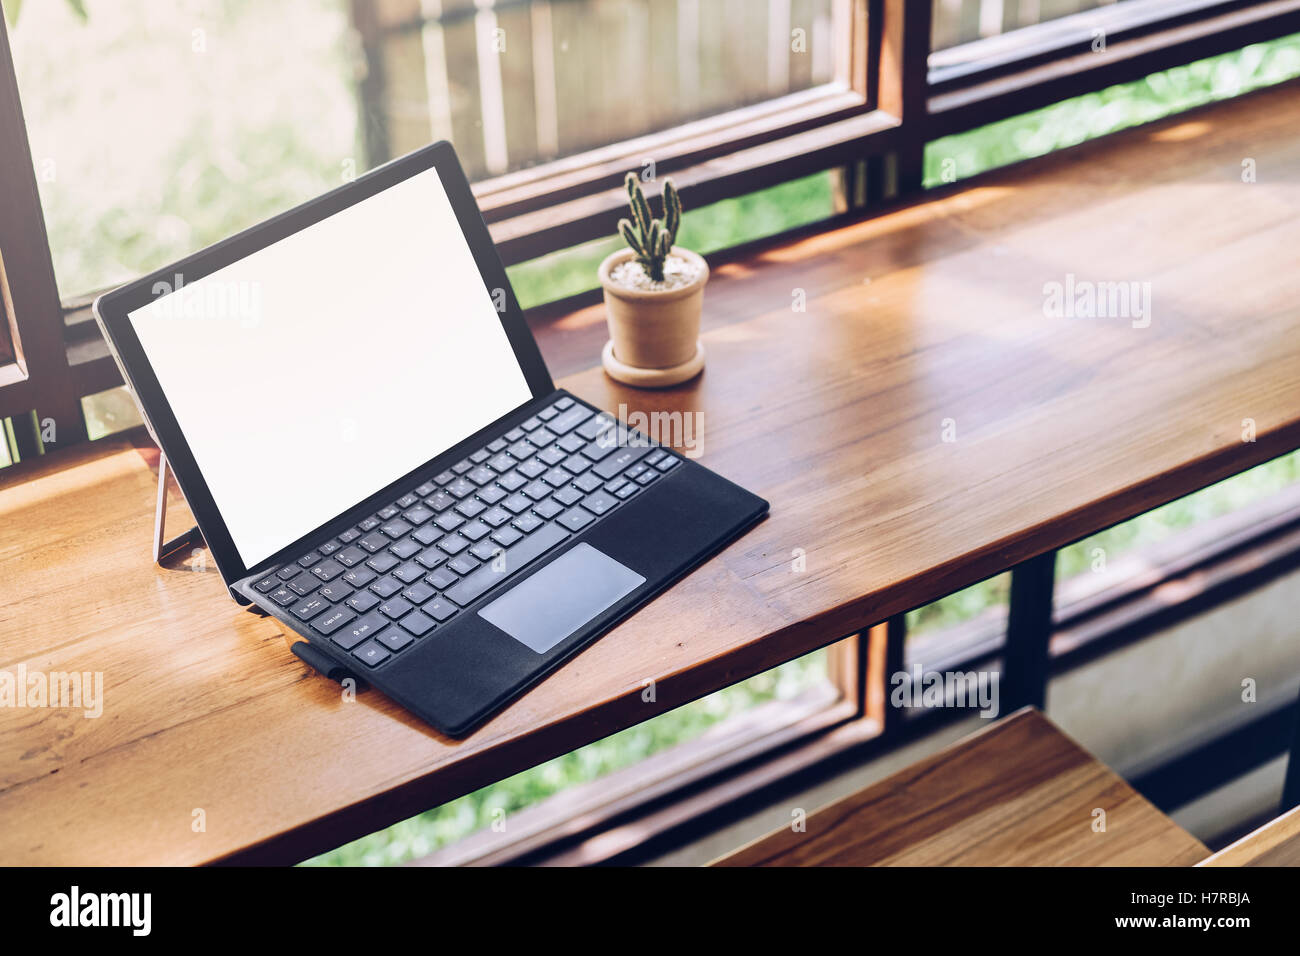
654, 329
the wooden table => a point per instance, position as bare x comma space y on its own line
1017, 793
922, 323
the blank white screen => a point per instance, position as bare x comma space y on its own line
312, 373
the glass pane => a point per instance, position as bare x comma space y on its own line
423, 834
159, 128
1083, 567
1076, 120
954, 22
110, 412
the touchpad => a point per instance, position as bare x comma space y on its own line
557, 600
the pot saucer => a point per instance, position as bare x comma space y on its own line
652, 377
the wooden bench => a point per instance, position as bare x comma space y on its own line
1277, 843
1018, 793
924, 322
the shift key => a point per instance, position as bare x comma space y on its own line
511, 560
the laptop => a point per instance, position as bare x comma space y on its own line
376, 456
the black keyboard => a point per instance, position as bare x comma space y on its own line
412, 566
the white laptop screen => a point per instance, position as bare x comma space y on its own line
313, 372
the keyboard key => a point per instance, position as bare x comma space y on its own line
512, 482
537, 490
282, 596
546, 414
557, 477
503, 462
528, 523
475, 530
453, 544
418, 593
440, 502
552, 456
386, 587
304, 584
445, 478
614, 486
409, 573
359, 577
600, 502
531, 424
431, 558
417, 623
485, 550
517, 503
506, 536
668, 463
547, 509
266, 584
482, 475
655, 456
462, 466
362, 601
336, 591
309, 608
497, 445
328, 570
387, 513
307, 560
347, 537
460, 488
395, 607
369, 524
328, 548
646, 477
596, 426
418, 515
627, 490
625, 456
532, 468
576, 518
441, 579
428, 534
351, 556
470, 507
562, 403
479, 456
397, 528
365, 626
635, 471
383, 563
426, 489
514, 558
406, 548
568, 496
495, 517
587, 483
463, 565
577, 464
375, 541
449, 521
491, 494
287, 572
406, 500
522, 449
395, 639
542, 437
514, 434
371, 654
564, 423
570, 443
439, 609
329, 623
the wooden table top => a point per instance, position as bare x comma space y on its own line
921, 324
1017, 793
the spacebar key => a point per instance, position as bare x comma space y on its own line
513, 559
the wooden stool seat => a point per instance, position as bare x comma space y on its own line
1019, 793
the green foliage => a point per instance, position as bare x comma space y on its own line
13, 8
651, 239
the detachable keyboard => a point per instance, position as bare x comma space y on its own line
395, 577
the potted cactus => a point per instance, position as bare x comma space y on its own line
654, 293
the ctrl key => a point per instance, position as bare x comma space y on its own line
371, 654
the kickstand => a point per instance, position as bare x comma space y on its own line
164, 549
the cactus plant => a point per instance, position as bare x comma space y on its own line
651, 239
